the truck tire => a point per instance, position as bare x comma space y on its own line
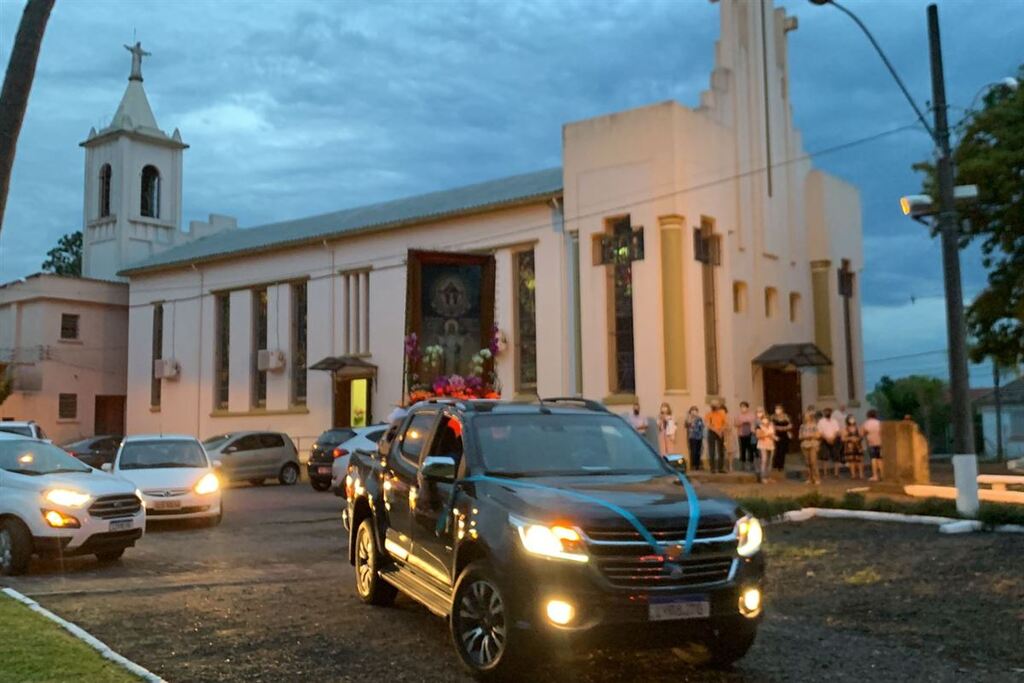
482, 628
15, 547
372, 589
728, 644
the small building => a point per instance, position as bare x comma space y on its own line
677, 255
1011, 400
63, 342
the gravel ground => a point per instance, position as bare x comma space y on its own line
268, 596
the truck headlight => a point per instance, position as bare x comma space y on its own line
749, 535
67, 498
208, 483
555, 541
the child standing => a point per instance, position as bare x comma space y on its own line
853, 448
666, 430
766, 439
810, 444
695, 435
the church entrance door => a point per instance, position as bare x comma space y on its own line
782, 386
352, 401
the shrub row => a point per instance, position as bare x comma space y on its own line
990, 514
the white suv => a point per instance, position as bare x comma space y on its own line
56, 506
174, 475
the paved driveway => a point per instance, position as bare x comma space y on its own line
268, 596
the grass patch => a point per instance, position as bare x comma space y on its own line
864, 577
990, 514
797, 552
33, 649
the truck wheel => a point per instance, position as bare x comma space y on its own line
109, 556
730, 643
289, 475
482, 627
372, 589
15, 547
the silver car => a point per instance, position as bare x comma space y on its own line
255, 456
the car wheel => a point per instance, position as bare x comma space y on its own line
15, 547
256, 482
482, 626
372, 589
110, 555
729, 643
289, 475
320, 484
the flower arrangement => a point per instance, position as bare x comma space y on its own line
425, 380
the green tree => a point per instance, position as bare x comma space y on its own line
66, 257
990, 154
925, 399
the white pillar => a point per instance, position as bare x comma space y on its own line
965, 474
364, 307
353, 316
345, 348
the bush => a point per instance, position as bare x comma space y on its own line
769, 508
932, 507
994, 514
853, 501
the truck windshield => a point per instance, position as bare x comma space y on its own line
35, 457
144, 455
554, 444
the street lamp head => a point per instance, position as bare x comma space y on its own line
917, 205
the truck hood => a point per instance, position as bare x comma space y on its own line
164, 477
94, 483
658, 501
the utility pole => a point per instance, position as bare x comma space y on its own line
965, 463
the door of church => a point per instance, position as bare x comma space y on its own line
352, 401
109, 415
783, 387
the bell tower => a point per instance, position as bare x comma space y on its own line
132, 203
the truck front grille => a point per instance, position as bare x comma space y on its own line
107, 507
653, 571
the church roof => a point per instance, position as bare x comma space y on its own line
489, 195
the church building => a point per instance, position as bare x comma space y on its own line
677, 255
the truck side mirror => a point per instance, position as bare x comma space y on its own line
677, 461
438, 468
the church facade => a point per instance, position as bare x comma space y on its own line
677, 255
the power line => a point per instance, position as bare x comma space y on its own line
906, 355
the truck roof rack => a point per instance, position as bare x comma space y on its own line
578, 400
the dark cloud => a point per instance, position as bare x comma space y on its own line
304, 107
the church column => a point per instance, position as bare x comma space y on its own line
672, 301
364, 312
820, 278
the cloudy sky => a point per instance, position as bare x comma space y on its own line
304, 107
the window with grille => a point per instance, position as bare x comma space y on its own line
155, 383
623, 374
222, 374
259, 342
67, 406
69, 326
299, 342
526, 319
105, 176
149, 201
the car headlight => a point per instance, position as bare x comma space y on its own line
749, 535
556, 541
208, 483
67, 498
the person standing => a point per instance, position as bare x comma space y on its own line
715, 422
839, 415
853, 448
783, 432
638, 421
745, 423
766, 439
831, 445
695, 435
872, 429
810, 444
666, 430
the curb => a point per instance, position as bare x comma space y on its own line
947, 525
85, 637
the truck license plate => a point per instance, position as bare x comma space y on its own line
693, 607
167, 504
120, 524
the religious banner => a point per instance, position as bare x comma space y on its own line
450, 338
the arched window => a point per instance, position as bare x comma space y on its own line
105, 174
150, 205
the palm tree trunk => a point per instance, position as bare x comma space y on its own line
21, 69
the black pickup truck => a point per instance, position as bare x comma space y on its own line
544, 527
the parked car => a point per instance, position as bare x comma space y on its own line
52, 505
175, 477
255, 456
552, 525
321, 456
95, 450
365, 439
27, 428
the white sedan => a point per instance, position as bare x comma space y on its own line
366, 439
174, 475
